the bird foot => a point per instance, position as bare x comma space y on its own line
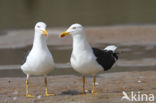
83, 93
47, 94
29, 96
93, 93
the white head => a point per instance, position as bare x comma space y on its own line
75, 29
40, 28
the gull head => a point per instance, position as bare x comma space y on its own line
40, 28
75, 29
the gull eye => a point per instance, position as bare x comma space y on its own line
38, 26
74, 28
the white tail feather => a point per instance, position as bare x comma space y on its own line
111, 47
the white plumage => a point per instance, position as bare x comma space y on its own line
83, 60
87, 60
39, 61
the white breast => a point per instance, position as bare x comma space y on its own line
38, 62
85, 62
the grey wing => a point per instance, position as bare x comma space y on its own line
25, 57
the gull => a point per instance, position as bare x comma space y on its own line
39, 60
87, 60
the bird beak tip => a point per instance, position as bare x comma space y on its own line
45, 33
63, 34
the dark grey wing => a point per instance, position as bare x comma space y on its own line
105, 58
25, 57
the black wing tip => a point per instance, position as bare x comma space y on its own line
105, 58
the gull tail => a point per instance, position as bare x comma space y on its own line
111, 48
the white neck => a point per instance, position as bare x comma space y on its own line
39, 41
80, 43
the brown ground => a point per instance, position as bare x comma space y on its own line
68, 88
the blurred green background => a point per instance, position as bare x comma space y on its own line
25, 13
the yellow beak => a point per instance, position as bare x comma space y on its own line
64, 34
45, 33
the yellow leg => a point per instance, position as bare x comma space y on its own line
27, 93
83, 89
93, 88
46, 88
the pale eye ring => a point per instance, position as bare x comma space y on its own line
38, 26
74, 28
